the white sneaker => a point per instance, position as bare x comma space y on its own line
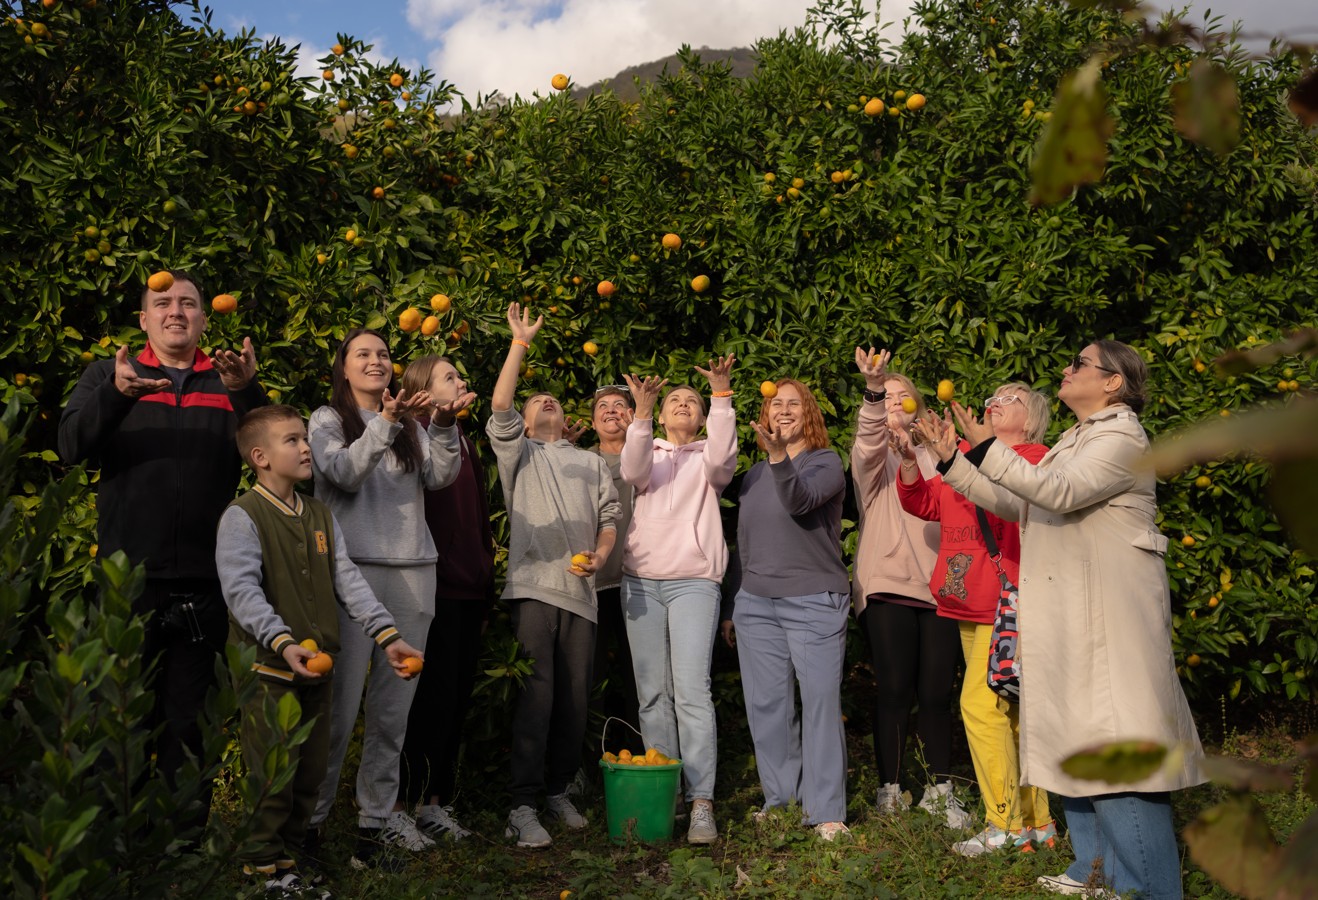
560, 807
401, 831
702, 829
828, 831
524, 825
892, 800
1065, 884
438, 822
990, 839
938, 800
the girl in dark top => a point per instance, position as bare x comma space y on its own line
791, 612
459, 520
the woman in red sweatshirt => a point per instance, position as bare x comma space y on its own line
965, 584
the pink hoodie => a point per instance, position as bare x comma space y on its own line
676, 530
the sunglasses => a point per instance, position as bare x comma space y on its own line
1080, 362
1003, 400
612, 387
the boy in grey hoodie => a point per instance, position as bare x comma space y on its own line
562, 507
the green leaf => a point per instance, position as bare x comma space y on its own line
1118, 762
1294, 492
1073, 147
1233, 843
1206, 107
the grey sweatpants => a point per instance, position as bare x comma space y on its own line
408, 592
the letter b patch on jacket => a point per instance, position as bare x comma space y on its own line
322, 543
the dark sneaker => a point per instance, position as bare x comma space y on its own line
375, 851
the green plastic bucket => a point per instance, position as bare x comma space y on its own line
641, 801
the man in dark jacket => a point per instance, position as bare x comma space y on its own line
161, 428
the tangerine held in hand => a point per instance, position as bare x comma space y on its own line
580, 559
320, 663
413, 664
310, 644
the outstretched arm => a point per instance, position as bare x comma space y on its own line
523, 333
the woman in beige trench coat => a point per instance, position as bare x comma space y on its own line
1095, 618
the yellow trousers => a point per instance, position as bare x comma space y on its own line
993, 732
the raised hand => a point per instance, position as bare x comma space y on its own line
394, 408
976, 431
873, 364
773, 441
236, 370
519, 321
572, 431
900, 442
645, 391
446, 413
719, 372
938, 435
129, 383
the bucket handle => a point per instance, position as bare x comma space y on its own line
605, 731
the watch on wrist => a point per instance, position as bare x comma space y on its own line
874, 396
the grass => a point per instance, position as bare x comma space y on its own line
907, 855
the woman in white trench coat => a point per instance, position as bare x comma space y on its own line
1095, 618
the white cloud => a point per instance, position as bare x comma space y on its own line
516, 46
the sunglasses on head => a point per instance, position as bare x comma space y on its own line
612, 387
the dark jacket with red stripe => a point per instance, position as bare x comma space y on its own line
169, 463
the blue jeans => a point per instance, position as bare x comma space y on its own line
1131, 837
671, 627
783, 642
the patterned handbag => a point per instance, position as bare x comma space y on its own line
1004, 668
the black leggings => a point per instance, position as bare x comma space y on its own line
915, 653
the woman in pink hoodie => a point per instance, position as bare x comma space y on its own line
673, 561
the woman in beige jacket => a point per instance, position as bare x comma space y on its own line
1095, 620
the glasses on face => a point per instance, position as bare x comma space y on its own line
1002, 400
1080, 362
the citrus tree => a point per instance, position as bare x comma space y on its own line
851, 191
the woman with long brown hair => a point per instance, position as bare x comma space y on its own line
791, 613
372, 462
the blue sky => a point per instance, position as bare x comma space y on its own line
516, 46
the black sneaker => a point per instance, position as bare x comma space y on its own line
374, 852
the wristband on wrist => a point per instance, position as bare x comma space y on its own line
721, 394
522, 343
874, 396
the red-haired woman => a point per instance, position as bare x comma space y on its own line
791, 612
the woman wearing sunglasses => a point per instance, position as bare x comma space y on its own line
966, 586
1095, 619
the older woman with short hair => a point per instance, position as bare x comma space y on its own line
965, 584
1095, 619
791, 612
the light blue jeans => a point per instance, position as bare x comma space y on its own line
671, 627
1132, 837
783, 642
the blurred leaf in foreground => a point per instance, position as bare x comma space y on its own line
1073, 147
1303, 99
1118, 762
1207, 108
1246, 775
1232, 842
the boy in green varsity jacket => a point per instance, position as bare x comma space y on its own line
283, 569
